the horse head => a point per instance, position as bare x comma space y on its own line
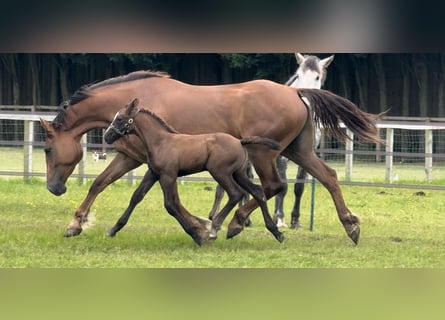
122, 122
311, 72
62, 153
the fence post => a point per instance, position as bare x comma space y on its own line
349, 157
28, 140
82, 164
429, 155
389, 157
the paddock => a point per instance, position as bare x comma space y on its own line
402, 219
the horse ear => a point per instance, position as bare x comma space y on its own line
326, 61
132, 106
47, 127
299, 57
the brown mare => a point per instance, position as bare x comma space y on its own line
255, 108
170, 154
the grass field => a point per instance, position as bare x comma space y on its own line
401, 228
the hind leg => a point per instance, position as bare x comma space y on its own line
258, 194
279, 198
328, 177
234, 194
219, 193
298, 191
265, 166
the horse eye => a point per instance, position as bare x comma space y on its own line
47, 150
317, 78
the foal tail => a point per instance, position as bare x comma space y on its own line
330, 109
272, 144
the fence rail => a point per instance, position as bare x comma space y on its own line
21, 130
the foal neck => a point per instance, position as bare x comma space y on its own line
152, 129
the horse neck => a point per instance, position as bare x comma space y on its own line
82, 117
151, 132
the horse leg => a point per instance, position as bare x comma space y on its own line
120, 165
234, 194
219, 193
271, 184
148, 181
245, 198
298, 191
258, 194
279, 198
191, 224
328, 177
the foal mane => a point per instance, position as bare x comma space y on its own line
161, 121
85, 91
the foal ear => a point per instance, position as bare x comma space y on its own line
133, 104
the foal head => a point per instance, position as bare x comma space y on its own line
311, 72
122, 123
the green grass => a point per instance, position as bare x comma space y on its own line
400, 229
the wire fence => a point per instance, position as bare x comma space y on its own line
414, 155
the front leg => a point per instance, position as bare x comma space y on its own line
120, 165
197, 228
148, 181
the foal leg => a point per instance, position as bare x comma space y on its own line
258, 194
279, 198
219, 193
271, 184
234, 194
148, 181
120, 165
298, 191
191, 224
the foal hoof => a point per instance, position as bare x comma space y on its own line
279, 237
72, 232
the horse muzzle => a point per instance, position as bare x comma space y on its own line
112, 134
58, 188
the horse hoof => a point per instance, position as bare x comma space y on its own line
279, 237
355, 234
231, 232
72, 232
296, 225
111, 233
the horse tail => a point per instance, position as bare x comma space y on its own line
330, 109
272, 144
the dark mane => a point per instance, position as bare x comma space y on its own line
159, 120
85, 91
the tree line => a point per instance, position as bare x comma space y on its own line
407, 84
